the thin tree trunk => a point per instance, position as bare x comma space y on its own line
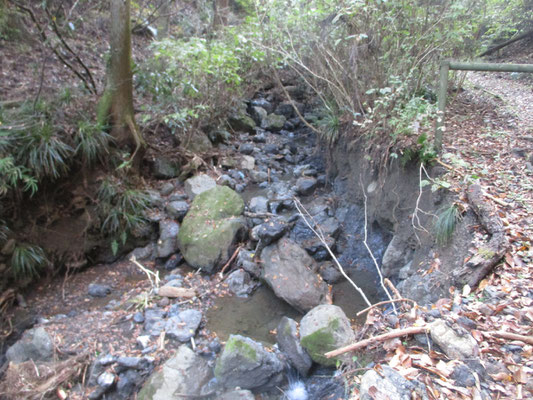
116, 104
507, 43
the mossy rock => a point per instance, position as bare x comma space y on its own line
247, 364
211, 227
325, 328
274, 122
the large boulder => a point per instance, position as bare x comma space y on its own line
325, 328
186, 374
273, 122
288, 270
247, 364
198, 184
289, 344
36, 344
211, 227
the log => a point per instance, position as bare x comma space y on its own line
475, 269
506, 43
173, 292
381, 338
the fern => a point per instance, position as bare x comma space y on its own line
92, 142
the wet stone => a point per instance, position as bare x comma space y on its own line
183, 326
166, 189
173, 261
246, 148
177, 209
106, 380
306, 186
97, 290
127, 383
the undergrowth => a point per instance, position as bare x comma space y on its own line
446, 223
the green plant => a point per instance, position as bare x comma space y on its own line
121, 210
92, 142
27, 260
330, 125
446, 223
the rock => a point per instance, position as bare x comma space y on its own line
459, 346
165, 169
183, 326
462, 375
198, 184
35, 345
138, 363
138, 318
273, 122
240, 283
248, 162
219, 136
264, 104
167, 188
211, 227
106, 380
388, 384
173, 261
177, 209
246, 364
258, 205
198, 142
305, 186
286, 109
260, 137
143, 341
246, 148
288, 270
325, 328
185, 373
289, 344
259, 114
245, 260
167, 243
96, 290
329, 272
242, 123
237, 394
147, 252
258, 176
226, 180
128, 381
396, 256
271, 148
271, 231
154, 321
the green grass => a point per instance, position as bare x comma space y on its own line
446, 224
27, 260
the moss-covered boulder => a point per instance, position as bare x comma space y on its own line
325, 328
211, 227
247, 364
274, 122
185, 373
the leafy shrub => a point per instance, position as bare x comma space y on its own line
194, 82
27, 261
92, 141
446, 223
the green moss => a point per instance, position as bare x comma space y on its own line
320, 342
487, 254
103, 109
237, 345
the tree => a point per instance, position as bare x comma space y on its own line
116, 105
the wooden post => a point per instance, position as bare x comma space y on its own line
441, 104
445, 67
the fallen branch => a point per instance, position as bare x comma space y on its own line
232, 258
381, 303
510, 336
393, 289
175, 292
320, 235
149, 274
487, 256
507, 43
381, 338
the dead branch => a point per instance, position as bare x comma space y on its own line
381, 338
149, 274
393, 289
76, 56
510, 336
235, 253
507, 43
381, 303
174, 292
320, 235
475, 269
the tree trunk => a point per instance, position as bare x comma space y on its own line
221, 9
116, 105
164, 19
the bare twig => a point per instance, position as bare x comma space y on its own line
381, 303
155, 281
381, 338
320, 235
510, 336
391, 287
365, 242
235, 253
